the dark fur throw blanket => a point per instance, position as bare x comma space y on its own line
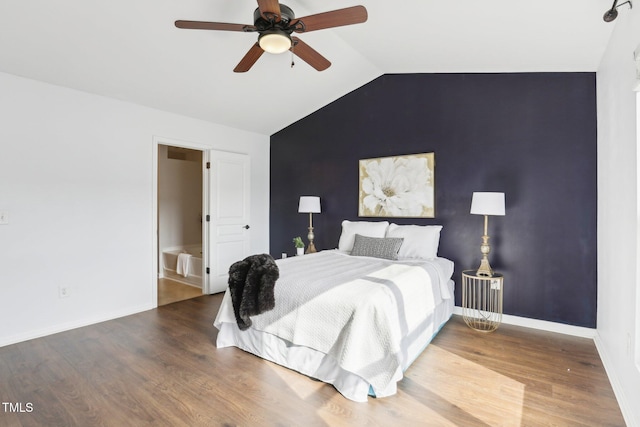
251, 283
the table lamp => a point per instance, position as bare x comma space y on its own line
486, 203
310, 205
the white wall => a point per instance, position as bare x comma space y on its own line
77, 177
618, 213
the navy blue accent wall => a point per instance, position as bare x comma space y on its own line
530, 135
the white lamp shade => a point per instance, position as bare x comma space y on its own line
487, 203
309, 204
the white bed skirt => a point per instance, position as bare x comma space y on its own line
323, 367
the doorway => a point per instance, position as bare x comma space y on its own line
179, 223
222, 189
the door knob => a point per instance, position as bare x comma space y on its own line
246, 227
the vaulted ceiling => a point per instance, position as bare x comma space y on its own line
131, 50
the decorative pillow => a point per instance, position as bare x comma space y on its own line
420, 241
378, 247
364, 228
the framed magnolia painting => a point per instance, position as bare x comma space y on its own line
398, 186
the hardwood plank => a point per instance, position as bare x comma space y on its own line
161, 367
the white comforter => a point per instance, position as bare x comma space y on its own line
354, 309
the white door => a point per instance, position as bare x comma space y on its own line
228, 227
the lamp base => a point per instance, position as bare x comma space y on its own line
312, 248
485, 250
485, 268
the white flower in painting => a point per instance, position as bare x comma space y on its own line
397, 186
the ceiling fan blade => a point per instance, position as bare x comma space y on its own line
269, 8
309, 55
249, 59
223, 26
335, 18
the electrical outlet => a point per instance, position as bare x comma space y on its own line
4, 217
64, 291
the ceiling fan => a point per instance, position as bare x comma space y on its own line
275, 22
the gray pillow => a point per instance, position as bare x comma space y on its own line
378, 247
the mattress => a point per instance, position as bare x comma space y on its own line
356, 323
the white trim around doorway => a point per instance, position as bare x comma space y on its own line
159, 140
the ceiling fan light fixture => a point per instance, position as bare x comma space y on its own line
275, 42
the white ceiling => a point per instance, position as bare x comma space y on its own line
130, 50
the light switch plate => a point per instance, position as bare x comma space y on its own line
4, 217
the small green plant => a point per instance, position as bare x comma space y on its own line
297, 242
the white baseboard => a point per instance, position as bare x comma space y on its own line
543, 325
625, 408
73, 325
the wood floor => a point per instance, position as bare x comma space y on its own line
170, 291
161, 368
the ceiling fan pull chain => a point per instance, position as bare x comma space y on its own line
292, 47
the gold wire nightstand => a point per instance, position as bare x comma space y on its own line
482, 300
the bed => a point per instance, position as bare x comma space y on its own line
351, 317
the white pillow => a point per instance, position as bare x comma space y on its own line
363, 228
420, 241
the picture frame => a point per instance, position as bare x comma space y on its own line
397, 186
